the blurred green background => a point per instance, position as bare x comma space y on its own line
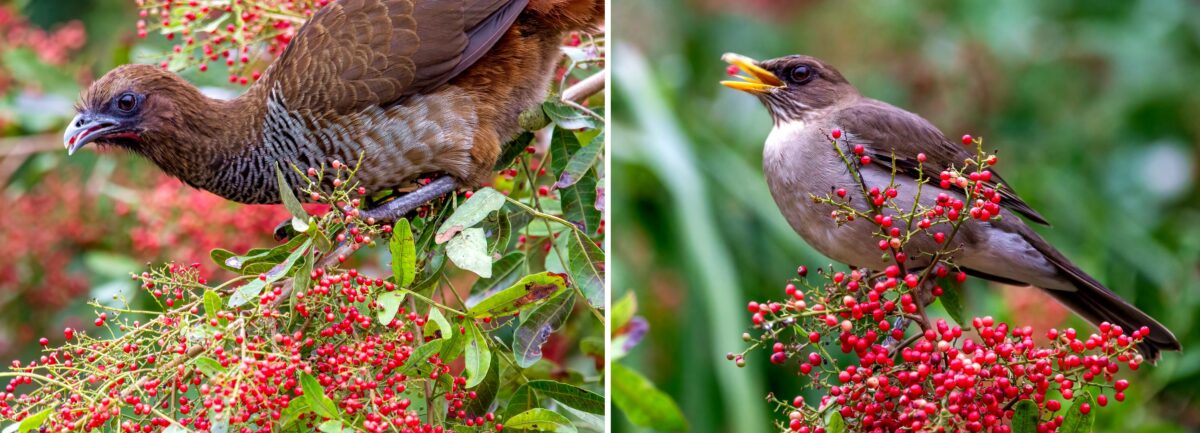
1095, 107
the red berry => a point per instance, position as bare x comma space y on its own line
967, 140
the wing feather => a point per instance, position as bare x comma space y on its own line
879, 126
354, 54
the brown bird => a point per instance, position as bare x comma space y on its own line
417, 86
808, 99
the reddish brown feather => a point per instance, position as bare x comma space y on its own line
366, 67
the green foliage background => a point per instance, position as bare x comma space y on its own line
1093, 106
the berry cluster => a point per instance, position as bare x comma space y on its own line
241, 34
847, 331
200, 359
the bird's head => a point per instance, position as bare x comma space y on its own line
136, 107
790, 86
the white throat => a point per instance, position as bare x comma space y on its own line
784, 133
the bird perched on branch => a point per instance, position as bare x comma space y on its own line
416, 86
808, 99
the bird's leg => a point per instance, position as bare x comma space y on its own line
395, 209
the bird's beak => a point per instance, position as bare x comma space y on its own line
86, 128
759, 80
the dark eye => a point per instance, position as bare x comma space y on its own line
127, 102
801, 74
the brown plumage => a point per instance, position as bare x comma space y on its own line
417, 86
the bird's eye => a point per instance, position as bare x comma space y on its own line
127, 102
801, 74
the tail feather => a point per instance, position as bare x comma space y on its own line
1098, 304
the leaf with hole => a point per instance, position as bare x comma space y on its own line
389, 305
475, 209
468, 251
526, 293
540, 420
536, 328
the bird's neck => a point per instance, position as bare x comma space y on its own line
220, 148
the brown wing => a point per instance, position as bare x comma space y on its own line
878, 126
354, 54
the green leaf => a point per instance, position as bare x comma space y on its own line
1025, 417
522, 400
526, 293
437, 319
586, 262
579, 205
502, 269
478, 355
212, 304
569, 395
475, 209
331, 426
389, 303
541, 420
34, 421
567, 117
1075, 421
580, 164
298, 406
563, 144
418, 362
643, 403
513, 149
251, 290
536, 328
624, 310
300, 217
314, 394
468, 251
952, 301
499, 233
486, 392
210, 367
454, 344
301, 281
836, 423
404, 253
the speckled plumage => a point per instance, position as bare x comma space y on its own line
415, 86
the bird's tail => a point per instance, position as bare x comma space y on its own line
1098, 304
567, 15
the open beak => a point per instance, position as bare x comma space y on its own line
758, 80
86, 128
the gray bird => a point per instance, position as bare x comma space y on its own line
808, 99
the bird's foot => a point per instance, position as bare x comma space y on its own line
395, 209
